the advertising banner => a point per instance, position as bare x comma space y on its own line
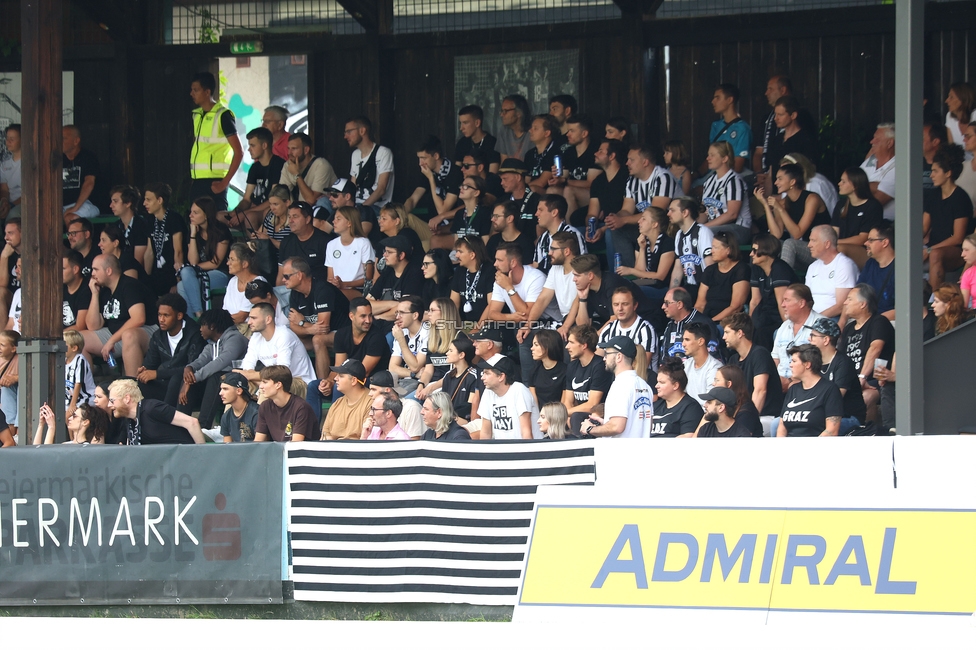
161, 524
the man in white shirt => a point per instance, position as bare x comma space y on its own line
273, 346
517, 286
795, 330
700, 366
832, 274
372, 165
507, 409
880, 167
560, 287
629, 410
410, 335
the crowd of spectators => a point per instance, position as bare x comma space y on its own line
557, 279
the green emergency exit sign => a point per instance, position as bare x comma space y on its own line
246, 47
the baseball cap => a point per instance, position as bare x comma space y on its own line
827, 327
721, 394
487, 334
398, 242
513, 166
504, 364
343, 186
621, 344
237, 380
352, 367
386, 379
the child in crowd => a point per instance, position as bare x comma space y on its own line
9, 377
79, 385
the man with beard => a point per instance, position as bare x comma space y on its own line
718, 421
372, 164
306, 175
629, 410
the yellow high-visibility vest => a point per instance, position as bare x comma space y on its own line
211, 154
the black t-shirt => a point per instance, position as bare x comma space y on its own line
263, 178
945, 212
576, 167
610, 192
652, 258
439, 361
486, 147
737, 430
87, 266
582, 379
137, 232
391, 287
671, 422
454, 432
549, 384
74, 172
860, 218
760, 362
72, 303
720, 286
218, 235
478, 224
14, 282
473, 289
856, 342
321, 297
115, 305
796, 208
450, 184
781, 274
599, 305
748, 417
161, 233
312, 250
373, 345
803, 142
240, 429
805, 412
841, 372
540, 163
528, 205
156, 425
459, 389
525, 241
494, 182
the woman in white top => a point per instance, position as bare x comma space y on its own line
961, 102
350, 257
239, 262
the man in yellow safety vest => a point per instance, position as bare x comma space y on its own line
217, 151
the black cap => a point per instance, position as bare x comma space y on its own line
721, 394
398, 242
237, 380
386, 379
504, 364
352, 367
827, 327
487, 334
513, 166
621, 344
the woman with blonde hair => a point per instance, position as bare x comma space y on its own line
349, 256
554, 421
275, 226
394, 220
445, 323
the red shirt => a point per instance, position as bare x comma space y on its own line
280, 147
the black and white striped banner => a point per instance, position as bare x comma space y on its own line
433, 522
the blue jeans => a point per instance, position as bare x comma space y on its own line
314, 397
847, 425
189, 287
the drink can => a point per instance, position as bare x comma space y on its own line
617, 261
558, 161
111, 360
591, 228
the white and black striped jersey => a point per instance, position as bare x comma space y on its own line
692, 248
77, 371
719, 191
541, 256
659, 183
640, 332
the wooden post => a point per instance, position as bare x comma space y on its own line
41, 349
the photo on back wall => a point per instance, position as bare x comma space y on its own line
485, 79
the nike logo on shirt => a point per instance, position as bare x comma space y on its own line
794, 403
581, 384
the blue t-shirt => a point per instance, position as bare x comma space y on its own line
882, 280
739, 135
